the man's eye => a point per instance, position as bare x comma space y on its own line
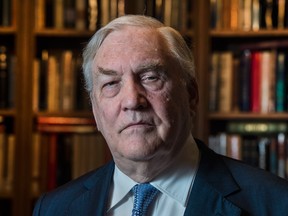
152, 81
110, 84
110, 89
150, 78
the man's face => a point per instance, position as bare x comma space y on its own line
140, 100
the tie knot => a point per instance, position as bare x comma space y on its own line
143, 196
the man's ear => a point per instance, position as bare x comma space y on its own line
193, 96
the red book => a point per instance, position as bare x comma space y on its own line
52, 162
255, 82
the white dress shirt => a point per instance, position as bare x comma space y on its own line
174, 184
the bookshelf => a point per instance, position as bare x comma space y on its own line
258, 31
28, 36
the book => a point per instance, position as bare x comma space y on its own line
81, 14
244, 80
255, 15
105, 12
36, 163
225, 82
4, 77
256, 127
167, 12
234, 14
67, 94
69, 12
234, 146
280, 85
281, 154
43, 80
273, 156
49, 13
36, 84
159, 10
40, 14
92, 14
281, 14
5, 13
58, 10
12, 74
214, 82
53, 84
250, 152
113, 10
255, 84
9, 181
235, 85
267, 83
52, 162
247, 15
263, 146
64, 161
2, 156
121, 8
226, 14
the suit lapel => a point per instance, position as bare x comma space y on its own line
93, 200
213, 184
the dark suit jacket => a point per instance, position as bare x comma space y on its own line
222, 186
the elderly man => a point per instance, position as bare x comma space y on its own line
141, 81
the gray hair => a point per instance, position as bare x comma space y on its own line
176, 45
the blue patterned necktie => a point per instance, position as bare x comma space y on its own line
143, 196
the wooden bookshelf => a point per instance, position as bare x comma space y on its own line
27, 42
239, 39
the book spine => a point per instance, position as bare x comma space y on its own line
280, 83
52, 162
244, 78
214, 75
281, 155
4, 79
255, 84
226, 78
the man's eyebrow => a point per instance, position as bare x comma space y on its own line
106, 71
156, 66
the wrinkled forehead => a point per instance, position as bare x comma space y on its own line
131, 38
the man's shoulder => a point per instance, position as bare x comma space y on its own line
85, 181
62, 197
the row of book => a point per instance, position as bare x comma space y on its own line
7, 76
269, 152
5, 13
254, 81
58, 83
7, 157
60, 157
92, 14
249, 14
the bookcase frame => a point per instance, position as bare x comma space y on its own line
25, 37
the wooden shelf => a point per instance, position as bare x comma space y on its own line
66, 120
248, 116
6, 194
78, 114
248, 34
9, 112
7, 30
63, 33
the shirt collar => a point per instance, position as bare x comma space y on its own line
183, 171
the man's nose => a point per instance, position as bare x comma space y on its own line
133, 96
